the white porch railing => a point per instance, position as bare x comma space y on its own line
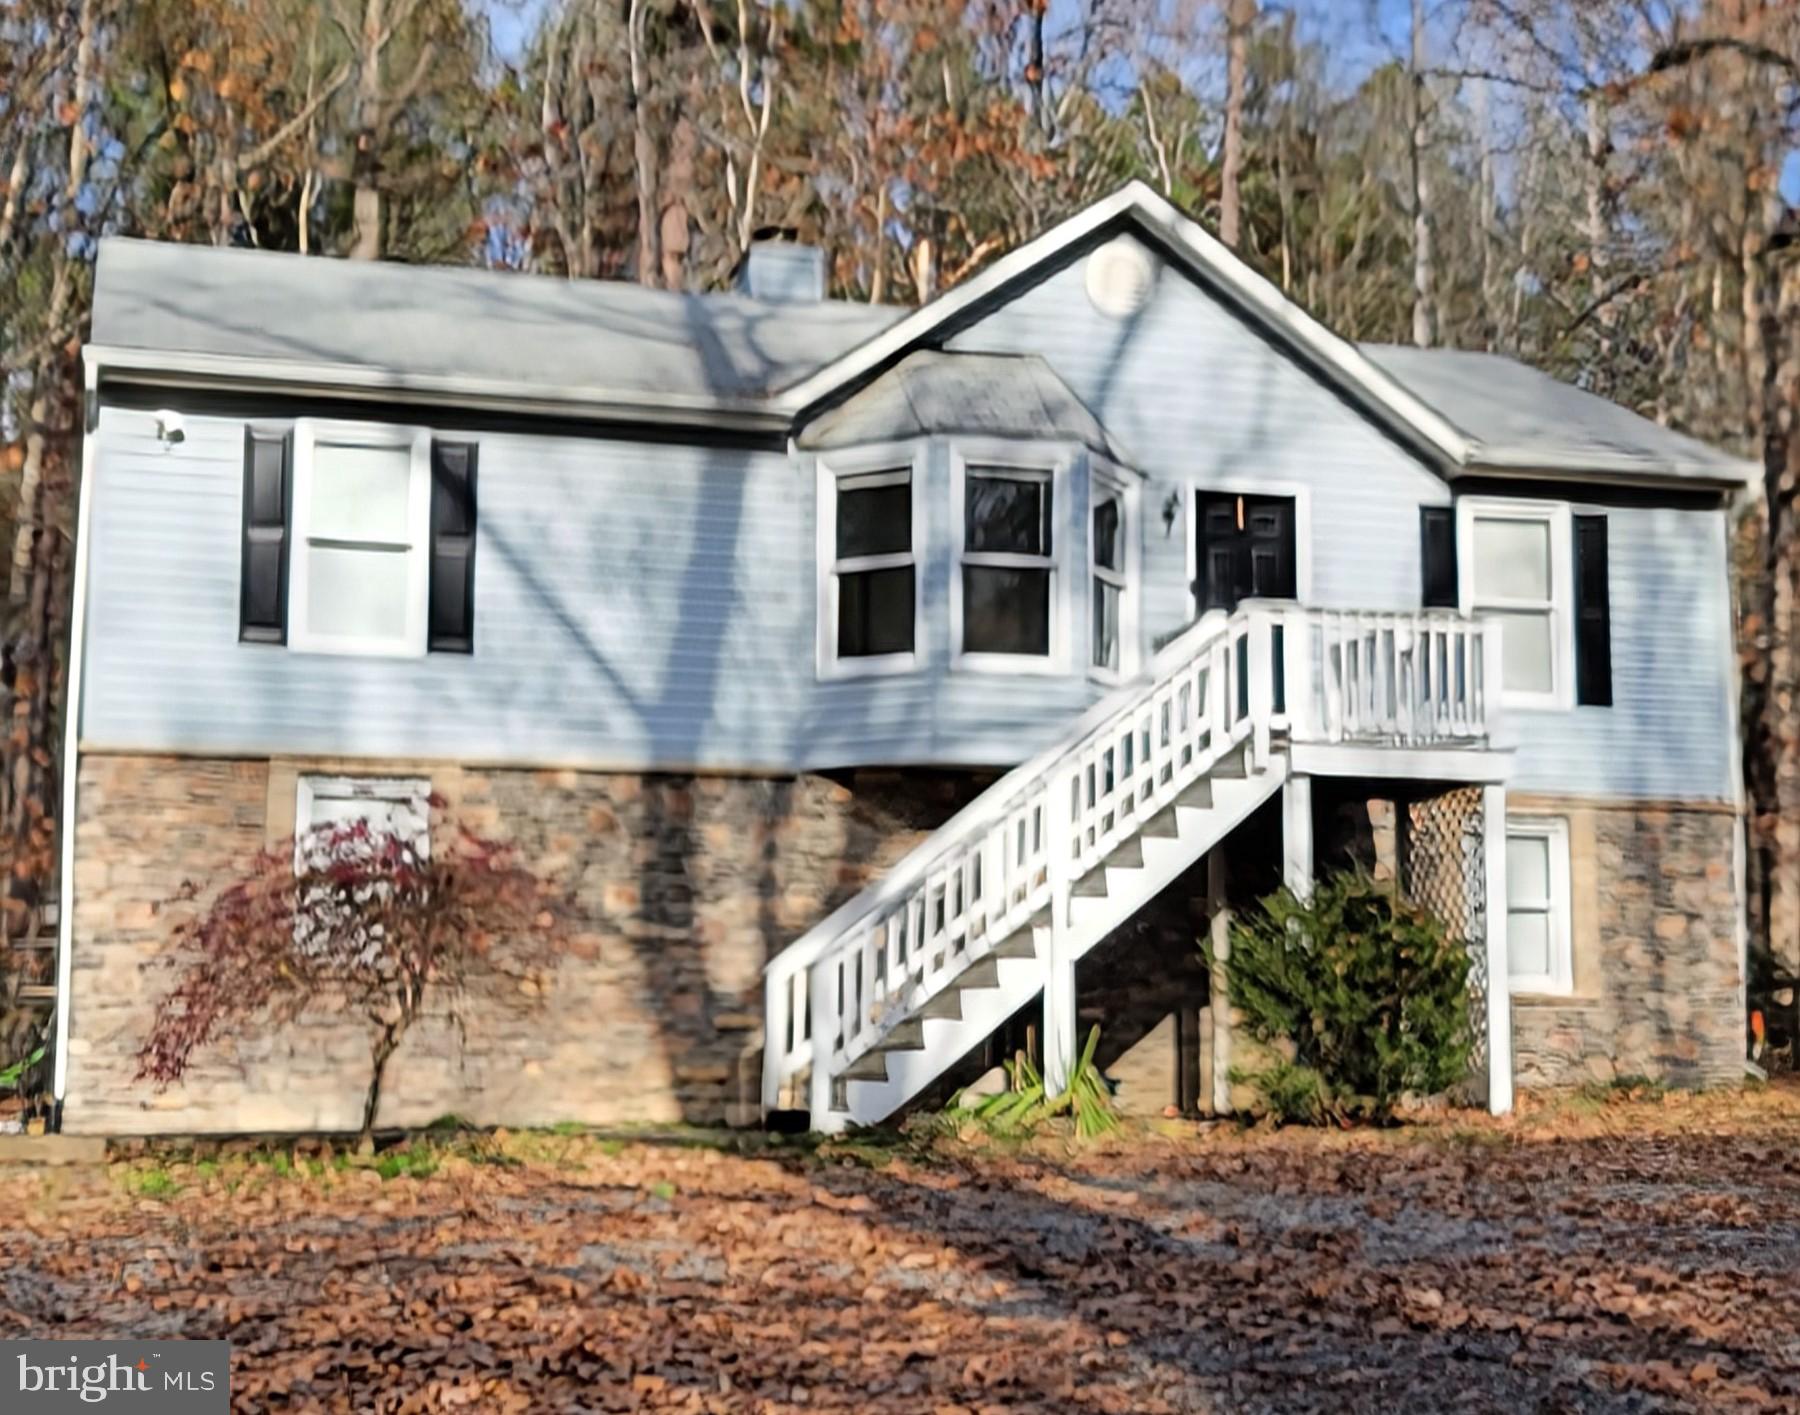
835, 992
1422, 678
1397, 679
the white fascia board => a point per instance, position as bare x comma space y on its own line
1734, 474
133, 365
921, 322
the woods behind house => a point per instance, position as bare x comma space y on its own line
1594, 186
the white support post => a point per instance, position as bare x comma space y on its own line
1059, 973
775, 1048
1499, 994
822, 987
1297, 835
1219, 920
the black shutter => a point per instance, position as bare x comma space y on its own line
1593, 615
452, 547
1437, 549
263, 575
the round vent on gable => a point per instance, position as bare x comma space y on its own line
1119, 276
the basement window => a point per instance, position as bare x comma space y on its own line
1538, 951
349, 818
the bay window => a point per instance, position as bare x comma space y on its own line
1004, 595
869, 609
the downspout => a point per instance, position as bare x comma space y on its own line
1736, 507
71, 753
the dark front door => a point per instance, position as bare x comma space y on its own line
1244, 548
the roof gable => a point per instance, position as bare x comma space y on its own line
1420, 396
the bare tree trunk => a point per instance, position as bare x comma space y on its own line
1240, 18
365, 164
1424, 272
1492, 305
1773, 761
51, 365
649, 245
1599, 216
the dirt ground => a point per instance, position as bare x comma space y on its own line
1596, 1253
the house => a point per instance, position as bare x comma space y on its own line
889, 685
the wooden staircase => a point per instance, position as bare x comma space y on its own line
871, 1006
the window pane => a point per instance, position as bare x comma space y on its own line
1006, 611
1106, 625
1008, 514
360, 493
1527, 870
1525, 652
1512, 560
405, 820
875, 612
1528, 945
1109, 545
358, 594
873, 520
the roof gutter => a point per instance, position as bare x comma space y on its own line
1600, 471
116, 364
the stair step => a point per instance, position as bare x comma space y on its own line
906, 1036
947, 1004
1233, 766
871, 1066
1091, 885
1198, 797
1161, 826
1022, 944
984, 973
1126, 855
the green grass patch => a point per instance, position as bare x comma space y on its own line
155, 1183
417, 1161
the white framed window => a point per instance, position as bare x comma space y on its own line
360, 579
1538, 948
326, 811
869, 592
1113, 572
1516, 569
1007, 587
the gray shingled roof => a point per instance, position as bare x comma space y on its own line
995, 395
443, 322
613, 343
1522, 420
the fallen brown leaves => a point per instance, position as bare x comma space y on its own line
1630, 1257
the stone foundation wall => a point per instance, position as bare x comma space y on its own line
687, 884
1653, 923
1655, 951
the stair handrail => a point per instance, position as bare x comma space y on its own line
999, 799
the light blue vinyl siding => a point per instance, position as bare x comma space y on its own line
1668, 734
653, 605
636, 605
1192, 396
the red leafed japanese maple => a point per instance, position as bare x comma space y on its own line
363, 918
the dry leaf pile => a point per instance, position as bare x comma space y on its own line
1641, 1260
